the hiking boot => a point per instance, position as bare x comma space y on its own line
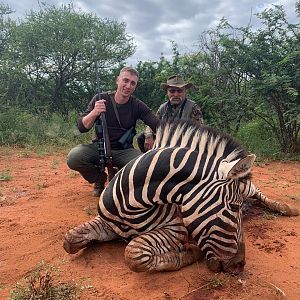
98, 189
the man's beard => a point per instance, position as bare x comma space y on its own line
175, 101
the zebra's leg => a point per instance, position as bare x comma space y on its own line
272, 205
80, 236
253, 192
160, 250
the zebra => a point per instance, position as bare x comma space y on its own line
178, 203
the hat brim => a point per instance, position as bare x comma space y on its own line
165, 86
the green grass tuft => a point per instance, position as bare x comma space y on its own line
39, 284
5, 175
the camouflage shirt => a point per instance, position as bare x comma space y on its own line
188, 110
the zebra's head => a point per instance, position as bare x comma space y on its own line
216, 222
213, 172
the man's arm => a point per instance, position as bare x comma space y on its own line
147, 116
149, 134
149, 119
87, 119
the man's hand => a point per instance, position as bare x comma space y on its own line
99, 107
88, 120
149, 141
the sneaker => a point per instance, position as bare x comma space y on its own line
98, 189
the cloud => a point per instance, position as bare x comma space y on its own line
154, 23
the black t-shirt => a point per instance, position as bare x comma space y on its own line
129, 113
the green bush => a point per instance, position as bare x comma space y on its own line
21, 128
257, 137
24, 129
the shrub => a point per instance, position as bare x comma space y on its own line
257, 137
21, 128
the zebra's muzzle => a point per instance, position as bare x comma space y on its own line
233, 269
233, 266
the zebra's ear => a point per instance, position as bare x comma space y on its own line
242, 167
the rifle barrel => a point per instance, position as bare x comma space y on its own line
104, 143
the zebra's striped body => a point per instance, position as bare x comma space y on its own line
192, 183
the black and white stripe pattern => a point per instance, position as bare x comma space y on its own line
192, 184
188, 166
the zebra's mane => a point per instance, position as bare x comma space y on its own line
188, 134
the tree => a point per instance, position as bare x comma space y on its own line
257, 72
274, 51
148, 87
6, 28
152, 74
222, 88
55, 49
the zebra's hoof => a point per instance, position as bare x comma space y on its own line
288, 211
72, 244
70, 248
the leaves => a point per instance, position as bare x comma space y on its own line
52, 54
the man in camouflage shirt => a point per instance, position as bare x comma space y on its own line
177, 107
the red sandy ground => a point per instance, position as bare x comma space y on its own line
44, 199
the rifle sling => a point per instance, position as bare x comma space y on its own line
116, 110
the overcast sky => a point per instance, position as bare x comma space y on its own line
154, 23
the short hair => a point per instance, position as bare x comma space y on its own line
131, 70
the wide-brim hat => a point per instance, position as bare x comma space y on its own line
176, 81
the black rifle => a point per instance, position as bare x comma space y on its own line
103, 138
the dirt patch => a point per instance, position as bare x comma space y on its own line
44, 199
